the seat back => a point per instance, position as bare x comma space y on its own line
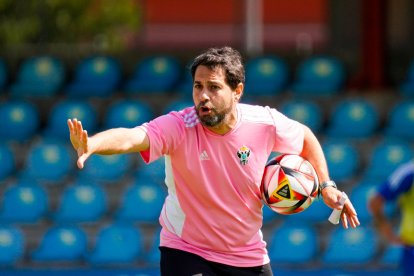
305, 112
343, 159
12, 245
127, 113
106, 168
7, 161
400, 121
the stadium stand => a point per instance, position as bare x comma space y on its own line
4, 76
7, 161
306, 112
39, 76
407, 86
12, 245
400, 121
127, 113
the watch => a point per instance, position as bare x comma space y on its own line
328, 183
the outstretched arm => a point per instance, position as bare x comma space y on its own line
312, 151
112, 141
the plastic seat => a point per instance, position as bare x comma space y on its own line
127, 113
343, 159
40, 76
12, 245
317, 212
81, 202
266, 75
293, 243
48, 161
407, 86
106, 168
3, 74
61, 243
19, 121
177, 105
386, 157
24, 202
305, 112
153, 255
184, 86
7, 161
96, 76
154, 172
69, 109
356, 118
319, 76
155, 74
400, 121
117, 244
352, 246
142, 202
392, 255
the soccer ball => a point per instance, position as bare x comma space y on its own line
289, 184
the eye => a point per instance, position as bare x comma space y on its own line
197, 86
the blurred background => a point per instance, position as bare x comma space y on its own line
344, 68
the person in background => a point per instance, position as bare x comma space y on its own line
212, 216
399, 187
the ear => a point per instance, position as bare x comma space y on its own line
238, 93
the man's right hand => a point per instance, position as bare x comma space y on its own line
79, 140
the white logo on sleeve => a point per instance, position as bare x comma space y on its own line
204, 156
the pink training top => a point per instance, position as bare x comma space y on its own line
214, 208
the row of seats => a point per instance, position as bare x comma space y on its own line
349, 118
115, 244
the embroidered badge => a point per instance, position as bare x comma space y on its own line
243, 153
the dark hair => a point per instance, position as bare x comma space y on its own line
227, 58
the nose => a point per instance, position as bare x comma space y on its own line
204, 95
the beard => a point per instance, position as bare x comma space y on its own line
214, 118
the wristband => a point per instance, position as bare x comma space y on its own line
328, 183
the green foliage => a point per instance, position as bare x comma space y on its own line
105, 22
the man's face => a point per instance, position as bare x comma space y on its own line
213, 98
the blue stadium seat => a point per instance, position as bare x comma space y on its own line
155, 74
269, 215
7, 161
343, 159
153, 255
400, 121
293, 243
354, 118
317, 212
61, 243
117, 244
407, 86
12, 245
4, 75
127, 113
48, 161
352, 246
319, 76
106, 168
95, 76
266, 75
81, 202
155, 171
19, 121
177, 105
392, 255
24, 202
386, 157
305, 112
360, 196
184, 87
39, 76
68, 109
141, 202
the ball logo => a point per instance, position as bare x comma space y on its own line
243, 153
284, 190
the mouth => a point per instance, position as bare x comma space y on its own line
204, 110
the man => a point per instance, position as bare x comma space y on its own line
212, 216
398, 187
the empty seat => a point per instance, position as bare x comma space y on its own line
69, 109
106, 168
319, 76
12, 245
24, 202
153, 255
117, 244
407, 85
97, 76
400, 121
178, 105
61, 243
305, 112
343, 159
352, 246
266, 75
155, 74
19, 121
81, 202
354, 118
293, 243
142, 202
127, 113
48, 161
154, 171
317, 212
39, 76
386, 157
7, 161
392, 255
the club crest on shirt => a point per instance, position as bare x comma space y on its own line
243, 153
